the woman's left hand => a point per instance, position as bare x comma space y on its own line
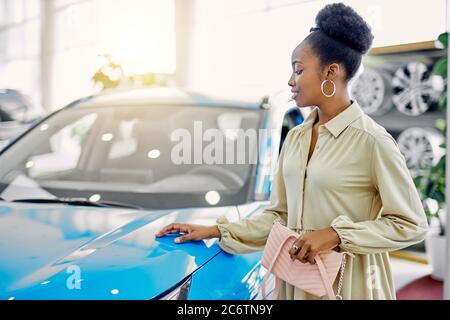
310, 244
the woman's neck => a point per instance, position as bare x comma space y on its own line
332, 107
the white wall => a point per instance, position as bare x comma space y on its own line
241, 49
20, 46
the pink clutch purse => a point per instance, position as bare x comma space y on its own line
316, 279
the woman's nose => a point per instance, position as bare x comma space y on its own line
291, 81
291, 84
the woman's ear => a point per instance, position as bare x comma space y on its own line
333, 71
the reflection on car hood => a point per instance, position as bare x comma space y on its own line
66, 252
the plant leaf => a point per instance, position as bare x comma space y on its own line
443, 38
440, 68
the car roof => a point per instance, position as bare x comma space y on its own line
157, 95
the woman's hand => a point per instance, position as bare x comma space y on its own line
193, 232
310, 244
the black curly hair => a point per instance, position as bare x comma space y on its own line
342, 36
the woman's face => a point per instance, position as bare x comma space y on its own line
306, 77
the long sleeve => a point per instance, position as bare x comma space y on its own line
402, 221
250, 234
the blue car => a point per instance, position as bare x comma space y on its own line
83, 192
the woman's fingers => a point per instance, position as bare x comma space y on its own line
191, 232
293, 253
172, 228
302, 256
311, 257
295, 248
189, 236
165, 230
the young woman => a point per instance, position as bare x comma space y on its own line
341, 180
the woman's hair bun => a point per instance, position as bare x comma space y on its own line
344, 24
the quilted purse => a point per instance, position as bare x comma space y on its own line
316, 279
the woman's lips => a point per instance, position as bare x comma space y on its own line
295, 94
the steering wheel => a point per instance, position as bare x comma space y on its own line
230, 179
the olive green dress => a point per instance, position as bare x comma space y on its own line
356, 182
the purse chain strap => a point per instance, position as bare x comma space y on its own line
341, 278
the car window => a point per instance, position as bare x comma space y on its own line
185, 155
63, 150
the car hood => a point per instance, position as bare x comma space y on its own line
59, 251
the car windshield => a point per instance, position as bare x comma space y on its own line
152, 156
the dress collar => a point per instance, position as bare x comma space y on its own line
340, 122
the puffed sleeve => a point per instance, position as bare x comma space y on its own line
250, 234
402, 221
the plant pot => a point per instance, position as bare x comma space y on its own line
435, 245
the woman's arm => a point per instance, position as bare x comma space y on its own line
402, 221
247, 235
250, 234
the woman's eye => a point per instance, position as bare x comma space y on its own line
298, 72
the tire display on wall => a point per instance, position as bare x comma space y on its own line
420, 146
415, 89
372, 91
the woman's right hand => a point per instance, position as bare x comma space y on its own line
192, 232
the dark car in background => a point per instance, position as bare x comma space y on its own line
17, 114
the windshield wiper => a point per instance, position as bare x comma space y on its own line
80, 202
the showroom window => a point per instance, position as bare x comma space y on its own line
20, 49
136, 36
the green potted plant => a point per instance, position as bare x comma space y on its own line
112, 75
431, 184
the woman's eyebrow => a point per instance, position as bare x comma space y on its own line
296, 61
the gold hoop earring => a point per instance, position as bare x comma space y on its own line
323, 92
